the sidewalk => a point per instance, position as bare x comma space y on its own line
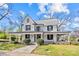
25, 51
3, 53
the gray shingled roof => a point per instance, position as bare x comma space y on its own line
47, 22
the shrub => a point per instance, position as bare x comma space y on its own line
3, 36
72, 38
16, 42
40, 41
13, 38
27, 41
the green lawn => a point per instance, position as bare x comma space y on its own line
3, 36
57, 50
9, 47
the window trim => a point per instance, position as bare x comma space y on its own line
38, 28
49, 27
27, 28
27, 20
50, 37
38, 36
27, 36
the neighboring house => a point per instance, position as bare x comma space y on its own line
75, 34
42, 29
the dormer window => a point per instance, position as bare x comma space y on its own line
27, 20
50, 27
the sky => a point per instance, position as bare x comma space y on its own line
44, 10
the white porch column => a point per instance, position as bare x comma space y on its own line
10, 38
16, 37
42, 36
19, 38
23, 37
32, 37
69, 37
45, 36
55, 38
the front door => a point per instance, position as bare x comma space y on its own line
27, 36
37, 36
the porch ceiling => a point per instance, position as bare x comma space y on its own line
56, 32
34, 32
25, 32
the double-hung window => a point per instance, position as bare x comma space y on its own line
38, 28
49, 27
27, 36
50, 37
28, 27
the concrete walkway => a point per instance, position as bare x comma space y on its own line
3, 53
25, 51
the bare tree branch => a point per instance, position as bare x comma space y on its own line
63, 21
2, 5
4, 15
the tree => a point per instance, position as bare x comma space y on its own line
55, 10
8, 14
19, 23
5, 9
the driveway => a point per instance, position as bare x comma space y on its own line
3, 53
25, 51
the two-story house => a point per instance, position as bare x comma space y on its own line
41, 29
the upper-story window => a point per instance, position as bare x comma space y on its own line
27, 20
28, 27
50, 27
38, 28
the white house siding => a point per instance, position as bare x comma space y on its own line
23, 37
41, 27
54, 28
32, 38
32, 28
28, 23
43, 24
45, 28
48, 41
23, 27
54, 40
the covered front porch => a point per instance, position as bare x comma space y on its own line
21, 36
48, 37
55, 37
